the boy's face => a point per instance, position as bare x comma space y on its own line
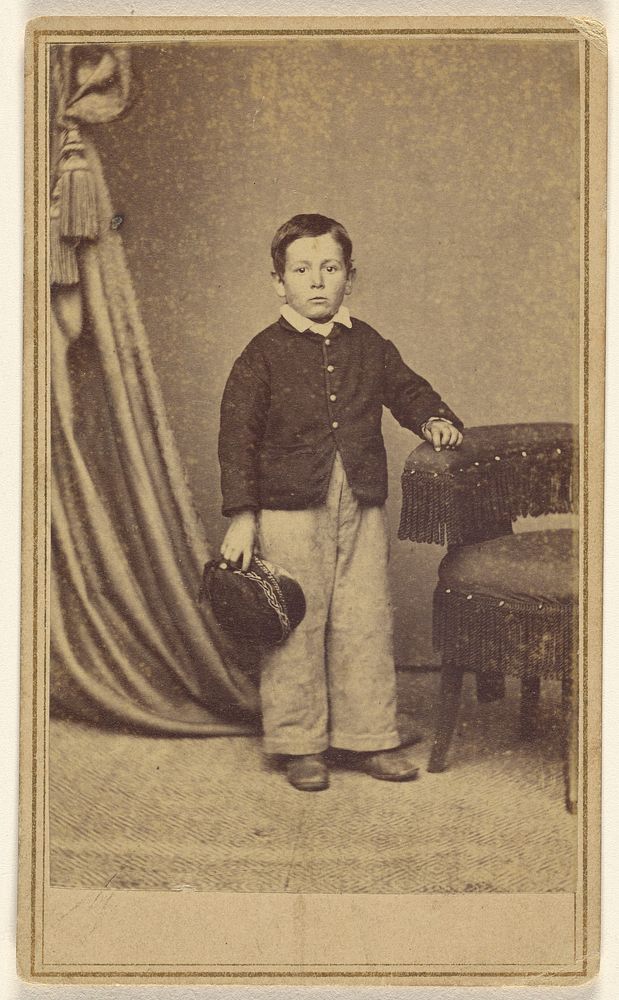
315, 280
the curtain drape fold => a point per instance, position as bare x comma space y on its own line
130, 644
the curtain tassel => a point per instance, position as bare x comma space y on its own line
62, 257
77, 196
77, 200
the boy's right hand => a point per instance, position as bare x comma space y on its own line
240, 539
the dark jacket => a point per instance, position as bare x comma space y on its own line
293, 399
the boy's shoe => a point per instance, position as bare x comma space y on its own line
308, 772
388, 765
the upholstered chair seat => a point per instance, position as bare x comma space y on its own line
529, 566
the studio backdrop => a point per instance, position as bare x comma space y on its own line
454, 165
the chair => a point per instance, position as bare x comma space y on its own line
505, 603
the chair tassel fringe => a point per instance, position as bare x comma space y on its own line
516, 638
428, 510
448, 507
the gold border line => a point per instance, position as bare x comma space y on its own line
300, 32
585, 539
35, 514
303, 973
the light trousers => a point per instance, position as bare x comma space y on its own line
332, 683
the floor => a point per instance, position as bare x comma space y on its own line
163, 813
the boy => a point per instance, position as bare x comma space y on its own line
304, 477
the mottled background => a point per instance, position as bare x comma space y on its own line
454, 166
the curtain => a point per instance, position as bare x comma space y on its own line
130, 644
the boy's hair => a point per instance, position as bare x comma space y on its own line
308, 225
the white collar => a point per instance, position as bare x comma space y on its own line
302, 323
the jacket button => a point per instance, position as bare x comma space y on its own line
333, 397
327, 342
330, 368
335, 425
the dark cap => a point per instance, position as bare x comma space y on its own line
261, 606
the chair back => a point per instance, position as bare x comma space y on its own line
500, 472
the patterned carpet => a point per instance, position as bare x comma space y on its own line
162, 813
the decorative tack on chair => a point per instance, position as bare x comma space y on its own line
505, 603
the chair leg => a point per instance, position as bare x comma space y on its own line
529, 707
450, 692
570, 721
490, 686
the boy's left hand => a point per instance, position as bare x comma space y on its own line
442, 434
